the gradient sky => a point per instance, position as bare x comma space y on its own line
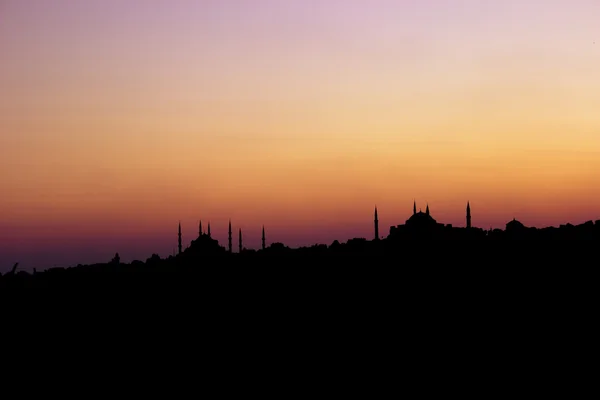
120, 118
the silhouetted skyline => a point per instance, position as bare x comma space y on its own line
120, 119
420, 239
417, 226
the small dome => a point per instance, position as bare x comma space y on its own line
421, 219
514, 224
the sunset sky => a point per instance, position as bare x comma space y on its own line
120, 118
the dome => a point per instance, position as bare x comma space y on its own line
421, 219
514, 225
204, 244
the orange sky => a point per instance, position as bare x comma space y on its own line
118, 121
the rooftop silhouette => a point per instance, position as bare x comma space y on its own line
421, 233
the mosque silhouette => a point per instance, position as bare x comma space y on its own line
419, 226
421, 239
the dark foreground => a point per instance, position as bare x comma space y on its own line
368, 267
425, 305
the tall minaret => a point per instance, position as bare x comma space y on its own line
468, 215
263, 238
230, 245
376, 225
427, 210
240, 241
179, 238
414, 207
208, 231
200, 229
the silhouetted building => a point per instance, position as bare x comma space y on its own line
421, 220
376, 225
200, 229
421, 225
418, 225
516, 230
208, 230
240, 241
514, 226
263, 238
468, 215
202, 247
179, 238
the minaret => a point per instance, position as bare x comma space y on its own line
468, 215
427, 210
179, 238
230, 245
240, 240
263, 238
200, 229
414, 207
376, 225
208, 231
